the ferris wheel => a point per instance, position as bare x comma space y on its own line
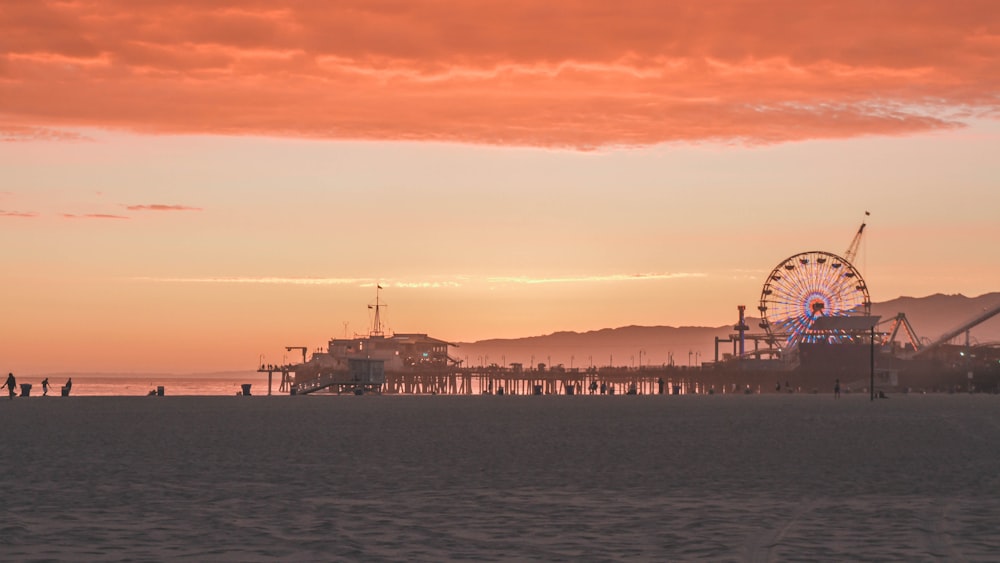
804, 287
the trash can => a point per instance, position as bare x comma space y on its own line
25, 389
537, 389
677, 389
246, 388
159, 391
499, 390
570, 389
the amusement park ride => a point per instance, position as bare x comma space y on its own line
815, 307
800, 290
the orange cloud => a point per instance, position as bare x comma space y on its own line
93, 216
161, 207
458, 281
20, 133
560, 73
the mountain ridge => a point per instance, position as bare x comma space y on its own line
930, 316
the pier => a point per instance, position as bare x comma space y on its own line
648, 380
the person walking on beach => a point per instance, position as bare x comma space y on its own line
45, 386
11, 384
67, 387
836, 389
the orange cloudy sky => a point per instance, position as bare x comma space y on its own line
188, 185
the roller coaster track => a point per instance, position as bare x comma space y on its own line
982, 317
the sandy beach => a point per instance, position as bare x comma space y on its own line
721, 478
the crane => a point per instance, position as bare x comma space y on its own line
852, 250
303, 348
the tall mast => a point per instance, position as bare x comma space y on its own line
376, 329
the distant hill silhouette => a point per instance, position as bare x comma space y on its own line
936, 314
930, 316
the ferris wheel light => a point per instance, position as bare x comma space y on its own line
815, 285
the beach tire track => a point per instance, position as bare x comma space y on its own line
761, 547
938, 536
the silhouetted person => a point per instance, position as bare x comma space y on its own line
836, 389
66, 388
45, 386
11, 384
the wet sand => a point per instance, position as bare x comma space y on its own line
721, 478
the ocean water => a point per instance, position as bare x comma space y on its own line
140, 384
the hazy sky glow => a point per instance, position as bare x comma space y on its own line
188, 185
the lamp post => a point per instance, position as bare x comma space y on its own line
856, 325
872, 386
